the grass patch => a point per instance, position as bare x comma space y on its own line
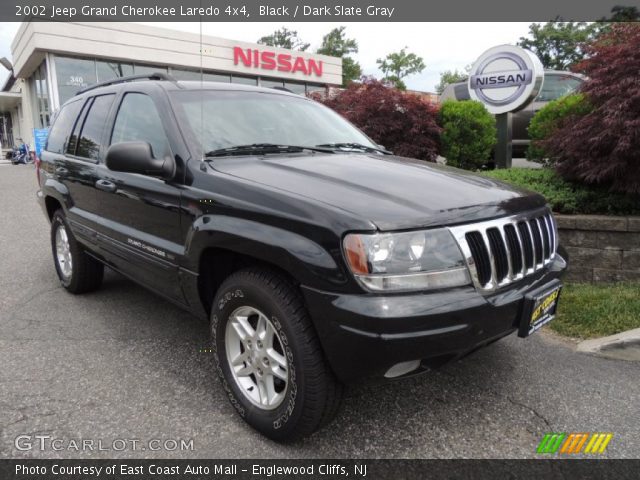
588, 311
568, 197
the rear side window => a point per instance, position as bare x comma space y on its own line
62, 126
73, 139
138, 120
93, 128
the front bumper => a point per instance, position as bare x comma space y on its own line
365, 335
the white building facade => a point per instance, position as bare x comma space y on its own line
52, 61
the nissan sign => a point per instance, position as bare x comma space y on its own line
506, 78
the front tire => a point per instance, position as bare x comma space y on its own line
77, 271
268, 356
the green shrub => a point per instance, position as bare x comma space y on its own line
568, 197
469, 133
548, 118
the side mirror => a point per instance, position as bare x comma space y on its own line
136, 157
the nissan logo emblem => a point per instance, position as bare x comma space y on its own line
506, 78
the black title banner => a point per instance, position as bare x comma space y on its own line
330, 469
308, 10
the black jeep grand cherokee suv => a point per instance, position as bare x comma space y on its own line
318, 257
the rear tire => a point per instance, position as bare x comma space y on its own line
298, 403
77, 271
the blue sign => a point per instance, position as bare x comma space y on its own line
40, 137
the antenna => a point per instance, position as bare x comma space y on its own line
201, 90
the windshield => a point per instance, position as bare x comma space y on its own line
219, 119
556, 86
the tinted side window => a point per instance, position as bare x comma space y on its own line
89, 143
73, 138
139, 120
62, 126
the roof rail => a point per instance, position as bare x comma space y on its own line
130, 78
282, 89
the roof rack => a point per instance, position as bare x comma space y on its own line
130, 78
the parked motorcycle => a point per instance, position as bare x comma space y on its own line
21, 154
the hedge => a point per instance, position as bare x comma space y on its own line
568, 197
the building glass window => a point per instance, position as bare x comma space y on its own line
74, 74
216, 77
267, 83
148, 69
311, 87
244, 80
40, 97
298, 88
183, 74
110, 70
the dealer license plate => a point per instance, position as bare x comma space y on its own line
539, 308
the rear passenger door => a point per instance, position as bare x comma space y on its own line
74, 157
140, 215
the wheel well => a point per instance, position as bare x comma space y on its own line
217, 264
52, 205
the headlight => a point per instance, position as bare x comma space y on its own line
420, 260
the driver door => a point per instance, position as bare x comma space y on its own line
139, 214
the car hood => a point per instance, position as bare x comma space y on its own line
391, 192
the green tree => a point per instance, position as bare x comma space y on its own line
559, 45
448, 77
399, 65
335, 44
284, 38
620, 13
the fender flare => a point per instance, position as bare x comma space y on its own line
304, 259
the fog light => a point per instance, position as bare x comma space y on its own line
402, 368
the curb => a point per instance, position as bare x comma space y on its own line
622, 346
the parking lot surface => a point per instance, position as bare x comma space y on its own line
123, 364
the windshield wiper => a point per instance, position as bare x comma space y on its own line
255, 148
354, 146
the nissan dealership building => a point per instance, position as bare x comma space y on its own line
52, 61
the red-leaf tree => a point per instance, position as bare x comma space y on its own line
403, 122
603, 146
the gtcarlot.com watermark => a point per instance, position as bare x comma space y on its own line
48, 443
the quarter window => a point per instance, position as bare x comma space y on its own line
62, 126
139, 120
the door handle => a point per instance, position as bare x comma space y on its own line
61, 171
106, 186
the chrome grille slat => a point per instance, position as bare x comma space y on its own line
546, 239
490, 247
550, 229
533, 245
492, 258
523, 268
503, 234
515, 250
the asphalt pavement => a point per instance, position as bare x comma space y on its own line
122, 365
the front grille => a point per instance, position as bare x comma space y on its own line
499, 252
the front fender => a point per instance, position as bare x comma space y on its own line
309, 262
